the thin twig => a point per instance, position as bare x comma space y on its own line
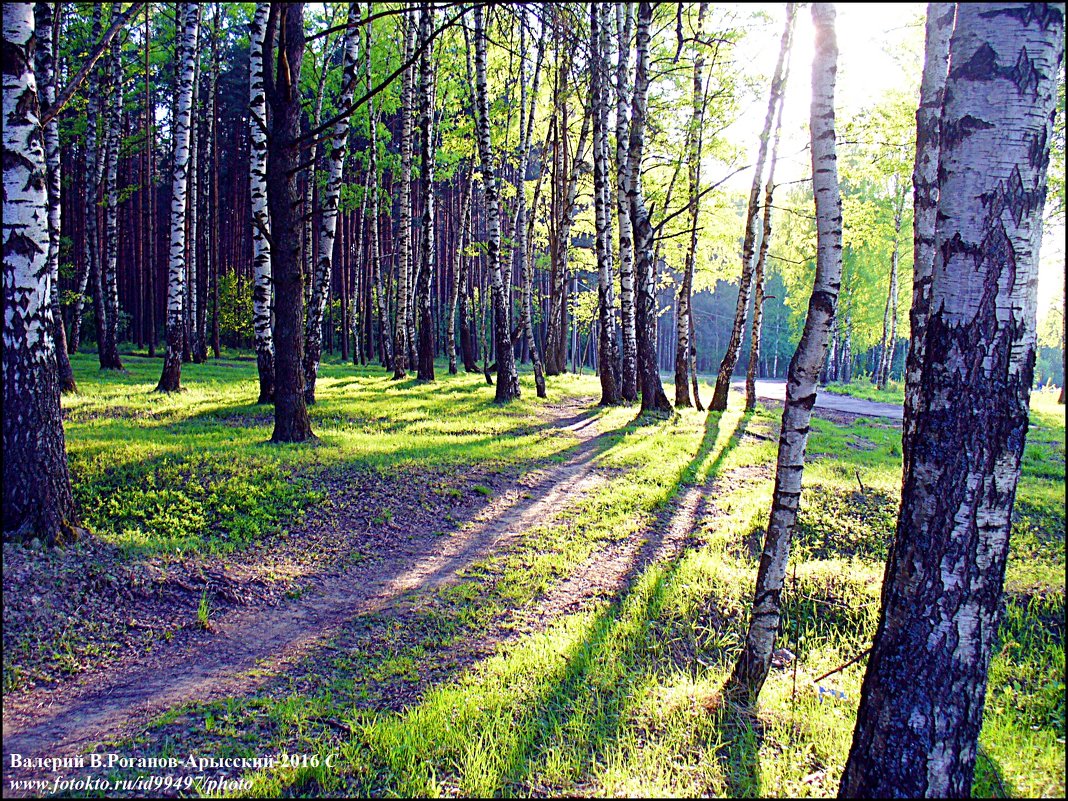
852, 661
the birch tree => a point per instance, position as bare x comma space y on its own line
261, 244
940, 21
507, 378
108, 343
886, 350
38, 502
608, 354
922, 700
755, 660
335, 162
427, 154
745, 283
526, 265
171, 378
45, 69
629, 375
683, 321
652, 390
385, 337
457, 290
401, 342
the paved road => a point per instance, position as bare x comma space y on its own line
776, 390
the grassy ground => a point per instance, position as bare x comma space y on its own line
470, 690
864, 388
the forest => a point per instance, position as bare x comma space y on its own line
464, 398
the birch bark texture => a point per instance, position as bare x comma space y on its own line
940, 21
683, 321
427, 154
171, 378
402, 344
507, 379
109, 349
628, 326
385, 337
37, 498
745, 283
45, 70
607, 351
335, 162
652, 390
262, 286
753, 664
922, 700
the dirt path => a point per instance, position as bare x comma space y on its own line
251, 644
776, 390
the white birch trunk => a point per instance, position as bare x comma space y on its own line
170, 380
261, 246
335, 162
801, 383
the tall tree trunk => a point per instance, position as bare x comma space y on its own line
335, 162
940, 22
507, 378
87, 273
385, 337
109, 350
262, 284
46, 77
653, 396
608, 354
192, 220
886, 352
401, 344
150, 231
694, 141
629, 385
95, 147
215, 200
922, 700
745, 283
526, 265
753, 664
171, 378
427, 154
38, 502
281, 82
458, 291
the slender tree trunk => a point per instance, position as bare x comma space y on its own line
385, 337
653, 396
629, 385
281, 81
95, 151
109, 351
753, 664
759, 296
428, 261
38, 502
192, 220
46, 77
335, 162
171, 378
526, 266
940, 22
150, 232
608, 355
923, 695
507, 379
401, 345
458, 292
745, 283
262, 284
214, 118
886, 350
695, 138
86, 274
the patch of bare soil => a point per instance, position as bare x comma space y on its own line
273, 603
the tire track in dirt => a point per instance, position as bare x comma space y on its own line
252, 644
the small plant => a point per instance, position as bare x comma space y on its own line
203, 611
386, 516
482, 489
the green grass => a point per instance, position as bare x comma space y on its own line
618, 698
864, 388
194, 471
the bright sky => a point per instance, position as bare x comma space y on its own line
880, 48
